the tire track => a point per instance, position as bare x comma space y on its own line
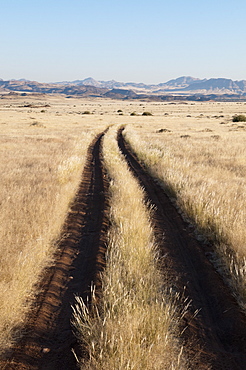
215, 338
49, 337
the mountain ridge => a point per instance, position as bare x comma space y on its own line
184, 86
183, 83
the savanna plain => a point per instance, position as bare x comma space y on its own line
195, 152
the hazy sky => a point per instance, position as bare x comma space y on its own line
127, 40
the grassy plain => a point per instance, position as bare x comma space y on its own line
195, 150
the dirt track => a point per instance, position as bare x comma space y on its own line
216, 337
49, 337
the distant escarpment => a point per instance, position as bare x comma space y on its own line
182, 88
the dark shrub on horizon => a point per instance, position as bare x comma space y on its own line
239, 118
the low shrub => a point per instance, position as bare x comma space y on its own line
239, 118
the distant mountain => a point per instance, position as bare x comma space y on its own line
120, 93
181, 82
51, 88
112, 84
87, 81
185, 86
221, 84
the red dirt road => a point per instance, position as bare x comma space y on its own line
49, 337
216, 337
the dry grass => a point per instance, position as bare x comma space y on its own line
134, 326
42, 151
40, 169
201, 162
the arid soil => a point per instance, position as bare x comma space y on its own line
214, 333
49, 338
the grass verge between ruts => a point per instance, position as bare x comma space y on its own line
135, 324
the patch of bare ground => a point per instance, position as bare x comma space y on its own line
49, 341
214, 328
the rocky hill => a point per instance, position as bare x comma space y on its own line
51, 88
219, 84
180, 82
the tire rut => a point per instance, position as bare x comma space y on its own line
215, 337
49, 338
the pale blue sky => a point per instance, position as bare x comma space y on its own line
128, 40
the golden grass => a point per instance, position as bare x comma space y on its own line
201, 162
134, 325
40, 169
42, 152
